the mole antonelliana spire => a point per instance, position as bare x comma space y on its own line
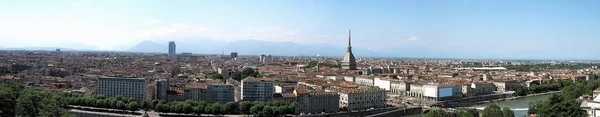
349, 62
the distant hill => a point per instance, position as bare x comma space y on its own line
249, 47
39, 48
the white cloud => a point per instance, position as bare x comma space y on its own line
412, 38
153, 21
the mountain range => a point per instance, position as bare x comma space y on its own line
249, 47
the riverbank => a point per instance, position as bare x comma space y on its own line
517, 97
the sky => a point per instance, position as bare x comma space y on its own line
427, 28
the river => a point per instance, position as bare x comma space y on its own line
519, 104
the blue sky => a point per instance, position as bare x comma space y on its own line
552, 29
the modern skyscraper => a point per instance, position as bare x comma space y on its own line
234, 54
172, 47
349, 62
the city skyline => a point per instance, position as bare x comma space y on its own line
450, 29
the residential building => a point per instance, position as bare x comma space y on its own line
257, 89
316, 101
221, 93
361, 98
161, 87
505, 85
364, 81
285, 88
122, 86
475, 89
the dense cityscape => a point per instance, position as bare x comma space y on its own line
187, 84
299, 58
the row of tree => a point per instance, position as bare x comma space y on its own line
489, 111
274, 108
17, 100
565, 103
536, 87
123, 103
540, 67
246, 72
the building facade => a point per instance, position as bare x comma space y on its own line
257, 89
221, 93
124, 87
161, 88
172, 48
316, 102
361, 99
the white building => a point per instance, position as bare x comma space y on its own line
364, 81
475, 89
120, 86
257, 89
349, 78
399, 87
416, 90
382, 83
441, 92
592, 107
285, 88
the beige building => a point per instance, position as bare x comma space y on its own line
475, 89
121, 86
505, 85
361, 98
316, 102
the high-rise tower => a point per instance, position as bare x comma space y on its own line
349, 62
172, 48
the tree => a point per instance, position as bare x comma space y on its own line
187, 108
438, 113
507, 112
199, 109
532, 108
17, 100
467, 113
231, 107
245, 106
121, 105
133, 106
268, 110
145, 105
572, 92
492, 111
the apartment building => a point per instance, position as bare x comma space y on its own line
221, 93
122, 86
364, 81
505, 85
475, 89
161, 88
285, 88
316, 101
361, 98
257, 89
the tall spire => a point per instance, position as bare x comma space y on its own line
349, 37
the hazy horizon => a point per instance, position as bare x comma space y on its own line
510, 29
